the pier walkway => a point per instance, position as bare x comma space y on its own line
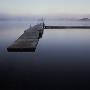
29, 39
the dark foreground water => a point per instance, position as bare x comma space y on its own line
61, 60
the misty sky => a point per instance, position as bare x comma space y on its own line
42, 7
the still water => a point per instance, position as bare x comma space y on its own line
61, 59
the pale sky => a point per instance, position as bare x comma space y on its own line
41, 7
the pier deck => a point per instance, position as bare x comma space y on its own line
28, 40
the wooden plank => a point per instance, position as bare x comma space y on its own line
30, 35
23, 45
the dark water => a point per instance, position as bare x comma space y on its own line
61, 60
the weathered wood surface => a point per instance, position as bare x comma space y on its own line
28, 40
67, 27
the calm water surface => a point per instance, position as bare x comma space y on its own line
61, 59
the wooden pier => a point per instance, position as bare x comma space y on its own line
67, 27
28, 40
